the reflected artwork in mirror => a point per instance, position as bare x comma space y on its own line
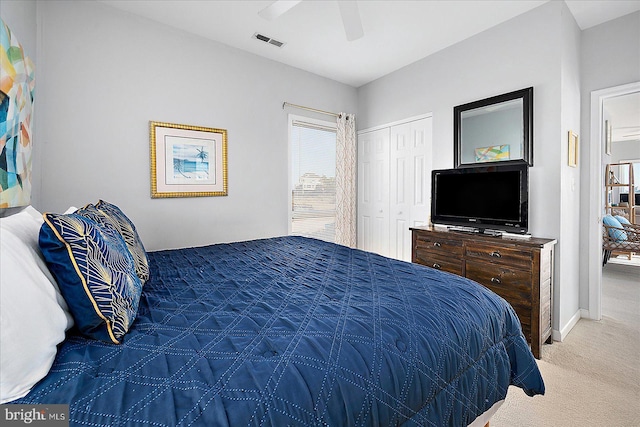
496, 129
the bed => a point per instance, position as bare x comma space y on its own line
285, 331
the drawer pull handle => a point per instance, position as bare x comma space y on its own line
495, 254
437, 266
437, 244
495, 280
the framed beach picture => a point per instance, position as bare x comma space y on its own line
187, 161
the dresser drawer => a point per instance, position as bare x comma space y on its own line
438, 261
500, 254
513, 284
520, 271
432, 242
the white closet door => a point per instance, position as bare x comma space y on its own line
410, 183
373, 191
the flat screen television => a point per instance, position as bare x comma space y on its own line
482, 198
624, 198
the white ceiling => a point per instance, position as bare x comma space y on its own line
396, 33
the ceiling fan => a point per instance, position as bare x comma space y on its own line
348, 10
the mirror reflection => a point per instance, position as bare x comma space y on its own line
493, 133
496, 129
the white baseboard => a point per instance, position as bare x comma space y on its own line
562, 334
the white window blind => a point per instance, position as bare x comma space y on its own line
313, 179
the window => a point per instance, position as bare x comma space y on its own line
312, 182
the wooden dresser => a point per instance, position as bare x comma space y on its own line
520, 271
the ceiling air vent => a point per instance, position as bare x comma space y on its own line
267, 39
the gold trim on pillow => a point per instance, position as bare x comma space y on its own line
72, 257
98, 258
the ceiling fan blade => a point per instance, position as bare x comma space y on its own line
277, 8
351, 19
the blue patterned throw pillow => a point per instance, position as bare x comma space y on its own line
95, 273
622, 220
106, 212
618, 234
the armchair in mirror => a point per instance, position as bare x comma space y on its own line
496, 129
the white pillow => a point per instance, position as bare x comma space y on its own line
33, 314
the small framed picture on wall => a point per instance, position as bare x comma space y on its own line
607, 137
573, 149
187, 161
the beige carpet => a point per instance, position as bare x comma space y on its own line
592, 378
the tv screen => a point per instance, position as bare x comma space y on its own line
624, 198
485, 197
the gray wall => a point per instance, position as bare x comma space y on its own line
508, 57
107, 73
626, 150
567, 294
609, 57
514, 55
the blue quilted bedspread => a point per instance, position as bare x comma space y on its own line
291, 332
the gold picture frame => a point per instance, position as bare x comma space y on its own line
187, 161
573, 149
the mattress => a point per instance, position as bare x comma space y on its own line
296, 331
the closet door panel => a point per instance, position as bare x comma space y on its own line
410, 186
394, 186
373, 191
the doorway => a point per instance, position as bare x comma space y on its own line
597, 162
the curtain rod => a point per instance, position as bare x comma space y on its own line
287, 104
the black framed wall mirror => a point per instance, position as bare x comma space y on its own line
496, 129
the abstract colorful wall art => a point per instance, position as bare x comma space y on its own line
16, 109
495, 153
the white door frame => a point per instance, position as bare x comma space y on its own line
596, 193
